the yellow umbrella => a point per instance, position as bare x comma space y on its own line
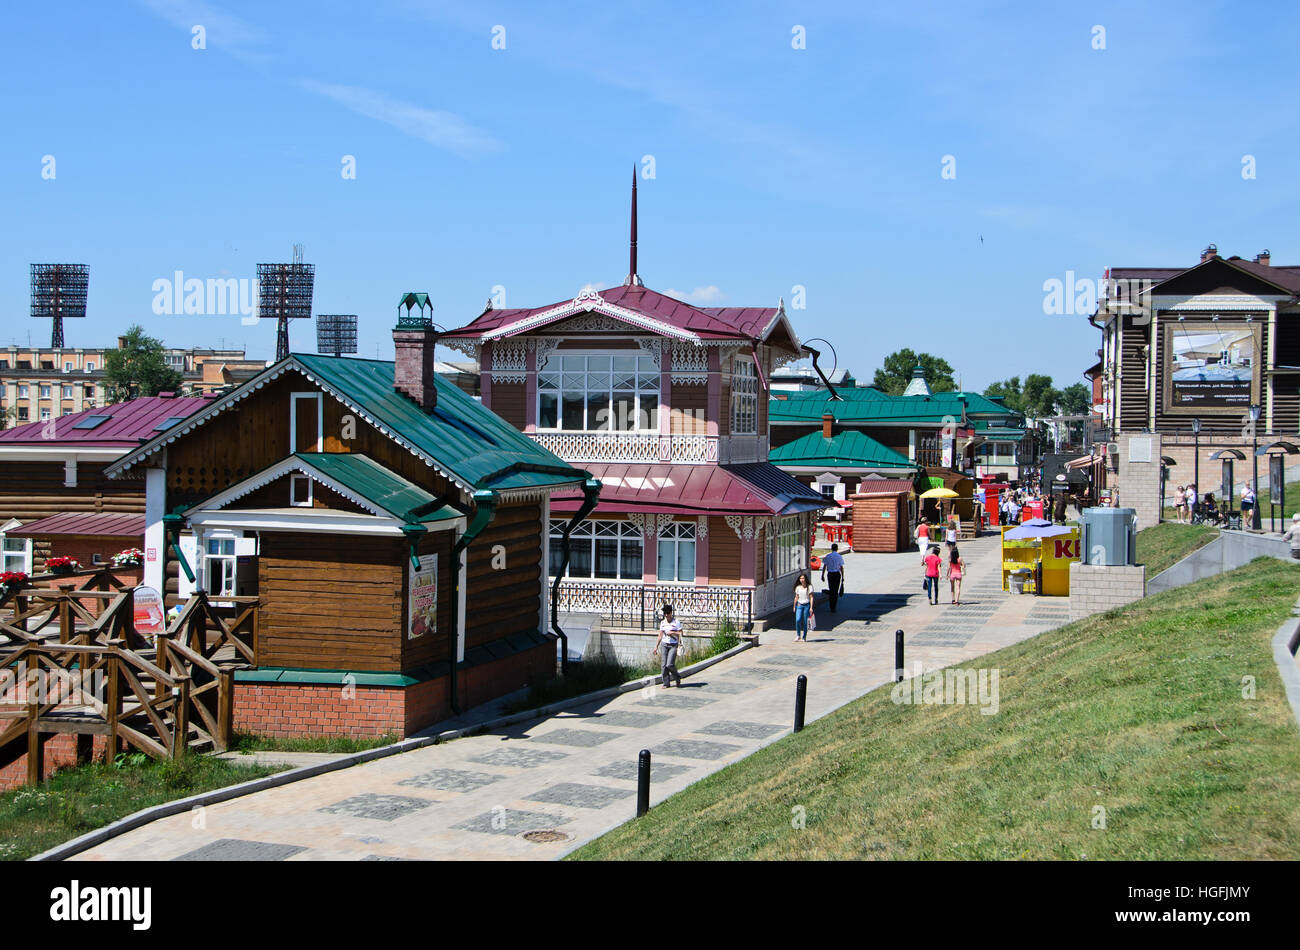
940, 493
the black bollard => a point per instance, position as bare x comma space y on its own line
800, 700
898, 656
643, 783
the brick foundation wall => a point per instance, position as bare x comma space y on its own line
289, 710
1096, 588
60, 752
1138, 483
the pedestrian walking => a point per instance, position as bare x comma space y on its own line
1247, 504
951, 529
1190, 499
923, 536
956, 568
1292, 534
1180, 501
669, 642
803, 607
833, 566
931, 563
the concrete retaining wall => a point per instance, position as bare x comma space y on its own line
1096, 588
1230, 550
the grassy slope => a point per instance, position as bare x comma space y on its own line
74, 801
1139, 710
1162, 546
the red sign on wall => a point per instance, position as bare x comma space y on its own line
1068, 548
151, 554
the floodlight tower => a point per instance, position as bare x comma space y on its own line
284, 292
336, 333
59, 291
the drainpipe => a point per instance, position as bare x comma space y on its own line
590, 496
172, 524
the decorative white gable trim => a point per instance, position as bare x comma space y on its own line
648, 523
470, 348
510, 361
747, 527
276, 472
702, 526
589, 301
690, 364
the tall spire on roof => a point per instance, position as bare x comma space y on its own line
633, 278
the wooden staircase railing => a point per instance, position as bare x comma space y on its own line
104, 678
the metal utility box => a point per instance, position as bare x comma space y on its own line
1108, 536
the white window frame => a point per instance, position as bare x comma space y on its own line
6, 556
232, 558
320, 420
744, 396
45, 414
24, 391
67, 366
90, 367
589, 533
45, 392
294, 481
673, 535
66, 392
644, 368
786, 547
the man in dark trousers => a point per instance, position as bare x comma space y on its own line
833, 564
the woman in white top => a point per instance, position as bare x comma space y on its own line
803, 607
670, 640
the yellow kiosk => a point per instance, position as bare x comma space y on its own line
1031, 562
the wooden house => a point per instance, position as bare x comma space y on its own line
666, 404
389, 525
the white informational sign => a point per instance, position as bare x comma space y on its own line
149, 620
1139, 449
422, 597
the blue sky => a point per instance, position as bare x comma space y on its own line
774, 167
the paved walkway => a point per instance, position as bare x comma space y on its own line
575, 772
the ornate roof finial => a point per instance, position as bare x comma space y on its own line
633, 278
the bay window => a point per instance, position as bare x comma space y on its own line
786, 547
598, 392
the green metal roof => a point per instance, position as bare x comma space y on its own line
863, 405
845, 450
460, 436
383, 489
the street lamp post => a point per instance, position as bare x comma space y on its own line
1196, 459
1254, 464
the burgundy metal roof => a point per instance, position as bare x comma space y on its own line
710, 322
99, 524
757, 489
128, 423
884, 486
1286, 276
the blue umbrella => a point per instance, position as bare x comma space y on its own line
1036, 528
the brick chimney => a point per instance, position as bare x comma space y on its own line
1263, 258
1209, 253
827, 421
414, 339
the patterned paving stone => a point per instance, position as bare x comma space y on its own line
580, 796
742, 730
383, 857
693, 749
450, 780
659, 771
518, 758
377, 807
575, 737
671, 697
509, 821
944, 643
721, 686
627, 718
792, 659
235, 849
764, 672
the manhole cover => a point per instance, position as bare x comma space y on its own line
545, 837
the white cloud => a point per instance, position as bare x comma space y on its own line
443, 129
709, 294
223, 31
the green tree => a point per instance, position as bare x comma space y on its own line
1041, 396
1076, 400
139, 368
894, 376
1009, 390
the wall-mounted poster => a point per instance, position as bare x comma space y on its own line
422, 600
1211, 366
